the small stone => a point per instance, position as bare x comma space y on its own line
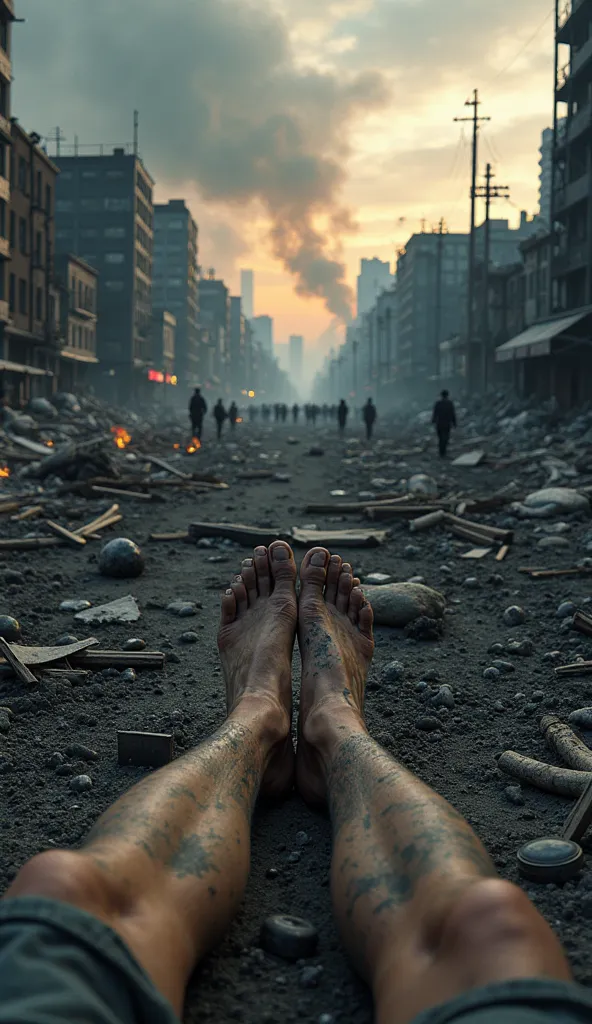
10, 629
504, 666
422, 686
4, 723
397, 604
514, 616
411, 551
205, 542
446, 570
428, 724
566, 610
377, 579
491, 673
74, 605
394, 672
496, 649
183, 609
581, 718
82, 752
121, 559
134, 644
81, 784
443, 698
66, 769
129, 675
295, 857
309, 977
302, 839
12, 576
272, 873
189, 637
55, 760
425, 628
514, 795
552, 656
65, 640
522, 648
471, 583
499, 707
555, 543
110, 673
326, 1018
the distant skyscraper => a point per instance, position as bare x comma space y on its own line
262, 327
546, 171
248, 293
296, 356
374, 278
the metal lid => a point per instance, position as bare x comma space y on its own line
550, 860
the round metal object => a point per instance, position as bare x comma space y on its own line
10, 629
550, 860
122, 559
291, 938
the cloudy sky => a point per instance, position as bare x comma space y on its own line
304, 134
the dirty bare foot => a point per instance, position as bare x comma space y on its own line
336, 646
255, 641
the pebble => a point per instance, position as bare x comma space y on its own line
13, 576
522, 648
514, 795
514, 616
65, 640
411, 551
504, 666
492, 673
443, 698
135, 644
393, 672
326, 1018
205, 542
553, 542
428, 724
81, 783
121, 559
499, 707
81, 751
376, 579
553, 656
129, 675
471, 583
417, 579
110, 673
497, 649
302, 838
272, 873
397, 604
421, 687
189, 637
183, 609
74, 605
582, 718
309, 977
10, 629
295, 857
63, 770
55, 760
566, 610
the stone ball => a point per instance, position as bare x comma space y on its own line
121, 559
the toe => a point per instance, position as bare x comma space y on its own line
240, 592
356, 602
262, 571
333, 574
366, 619
250, 579
228, 608
344, 589
282, 564
313, 571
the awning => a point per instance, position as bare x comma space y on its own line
79, 356
34, 371
536, 340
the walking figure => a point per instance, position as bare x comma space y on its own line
233, 416
220, 415
444, 419
342, 414
370, 415
197, 410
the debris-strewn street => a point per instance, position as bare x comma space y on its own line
464, 673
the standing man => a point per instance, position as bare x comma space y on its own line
295, 412
197, 411
220, 415
369, 418
342, 414
444, 419
233, 416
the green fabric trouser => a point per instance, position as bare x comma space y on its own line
60, 964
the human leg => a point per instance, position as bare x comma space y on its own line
421, 910
443, 439
166, 866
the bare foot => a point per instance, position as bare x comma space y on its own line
336, 646
256, 640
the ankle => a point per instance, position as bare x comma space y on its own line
265, 716
329, 724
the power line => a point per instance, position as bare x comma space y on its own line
524, 47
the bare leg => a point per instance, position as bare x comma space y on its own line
420, 907
167, 865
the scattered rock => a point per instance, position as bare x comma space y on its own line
65, 640
443, 698
121, 559
425, 628
129, 675
309, 976
125, 609
552, 656
74, 606
4, 722
393, 672
134, 644
427, 723
514, 616
566, 610
10, 629
552, 501
81, 783
183, 609
55, 760
82, 752
421, 483
411, 551
189, 637
496, 649
504, 666
398, 604
491, 673
377, 579
514, 795
522, 648
552, 543
471, 583
581, 718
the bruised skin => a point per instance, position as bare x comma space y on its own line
336, 646
256, 640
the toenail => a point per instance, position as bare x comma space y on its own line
248, 562
280, 553
229, 593
334, 559
261, 552
319, 558
238, 579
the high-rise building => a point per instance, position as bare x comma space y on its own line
175, 286
105, 214
214, 311
296, 356
375, 276
262, 327
546, 175
236, 367
248, 293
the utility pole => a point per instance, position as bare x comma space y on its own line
136, 131
442, 230
58, 137
476, 120
488, 192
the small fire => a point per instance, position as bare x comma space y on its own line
49, 444
121, 438
176, 447
194, 446
239, 419
4, 472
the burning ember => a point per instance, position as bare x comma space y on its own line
121, 437
4, 472
239, 419
49, 444
176, 447
194, 446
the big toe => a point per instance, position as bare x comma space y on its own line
283, 565
313, 572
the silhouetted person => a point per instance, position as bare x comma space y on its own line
308, 413
314, 412
342, 414
370, 415
220, 415
325, 411
197, 411
266, 413
284, 413
233, 416
295, 412
444, 419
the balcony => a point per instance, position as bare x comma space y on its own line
567, 10
580, 58
579, 123
573, 258
4, 189
579, 190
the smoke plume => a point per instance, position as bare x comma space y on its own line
223, 101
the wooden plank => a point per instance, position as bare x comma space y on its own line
28, 543
117, 493
502, 553
505, 536
164, 465
73, 539
476, 553
339, 538
91, 527
583, 623
144, 749
29, 513
118, 659
9, 506
583, 668
181, 535
580, 818
247, 535
17, 666
427, 522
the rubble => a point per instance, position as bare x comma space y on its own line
124, 609
398, 604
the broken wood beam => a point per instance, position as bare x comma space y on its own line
28, 543
181, 535
380, 512
427, 522
502, 553
118, 659
95, 524
9, 506
546, 574
580, 819
144, 749
560, 738
579, 668
583, 623
247, 535
29, 513
165, 465
475, 536
73, 539
118, 493
20, 670
345, 507
504, 536
563, 781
